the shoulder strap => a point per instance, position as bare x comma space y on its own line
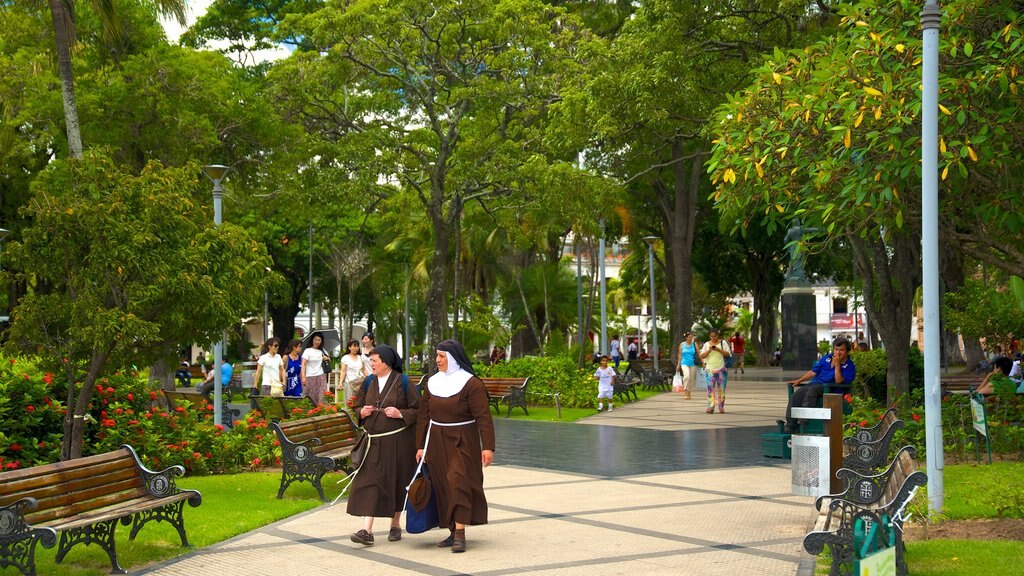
366, 382
405, 384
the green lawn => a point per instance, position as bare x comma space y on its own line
964, 557
232, 504
549, 414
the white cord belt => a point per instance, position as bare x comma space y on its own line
369, 442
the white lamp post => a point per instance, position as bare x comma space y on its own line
216, 172
654, 323
931, 17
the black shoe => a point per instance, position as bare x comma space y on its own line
394, 535
458, 545
447, 542
363, 537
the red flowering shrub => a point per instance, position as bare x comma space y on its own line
31, 414
123, 411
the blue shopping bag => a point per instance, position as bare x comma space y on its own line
421, 506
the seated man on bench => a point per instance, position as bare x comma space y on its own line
183, 375
226, 372
834, 369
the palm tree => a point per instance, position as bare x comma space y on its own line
63, 12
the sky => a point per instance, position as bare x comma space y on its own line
197, 8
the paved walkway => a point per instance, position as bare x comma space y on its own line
654, 487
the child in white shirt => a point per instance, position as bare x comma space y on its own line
605, 376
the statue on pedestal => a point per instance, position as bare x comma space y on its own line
796, 257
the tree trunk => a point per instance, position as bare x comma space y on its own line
63, 30
162, 375
284, 320
891, 273
74, 420
437, 312
973, 354
766, 283
678, 207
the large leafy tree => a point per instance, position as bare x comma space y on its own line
446, 99
121, 264
831, 135
62, 13
649, 106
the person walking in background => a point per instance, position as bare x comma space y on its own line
455, 436
293, 369
713, 355
369, 343
632, 350
688, 360
616, 351
387, 408
271, 367
314, 381
354, 371
835, 368
738, 348
605, 376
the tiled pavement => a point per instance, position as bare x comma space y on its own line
654, 487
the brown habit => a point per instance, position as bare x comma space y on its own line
453, 455
379, 488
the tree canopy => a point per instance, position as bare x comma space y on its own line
121, 268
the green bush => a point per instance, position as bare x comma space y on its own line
576, 388
871, 371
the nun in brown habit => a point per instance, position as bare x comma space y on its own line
456, 429
387, 410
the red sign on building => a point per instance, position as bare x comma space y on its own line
846, 322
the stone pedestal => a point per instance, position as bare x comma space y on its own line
799, 328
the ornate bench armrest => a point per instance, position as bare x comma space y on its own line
158, 483
14, 527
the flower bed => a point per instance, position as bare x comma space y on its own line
125, 411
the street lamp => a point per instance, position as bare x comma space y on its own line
931, 17
4, 233
216, 172
266, 308
654, 323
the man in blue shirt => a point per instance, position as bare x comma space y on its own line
835, 369
226, 372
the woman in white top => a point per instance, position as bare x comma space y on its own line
355, 370
713, 354
271, 367
314, 381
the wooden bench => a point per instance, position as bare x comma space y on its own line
280, 407
960, 383
511, 391
83, 500
312, 447
868, 448
868, 498
642, 372
199, 402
